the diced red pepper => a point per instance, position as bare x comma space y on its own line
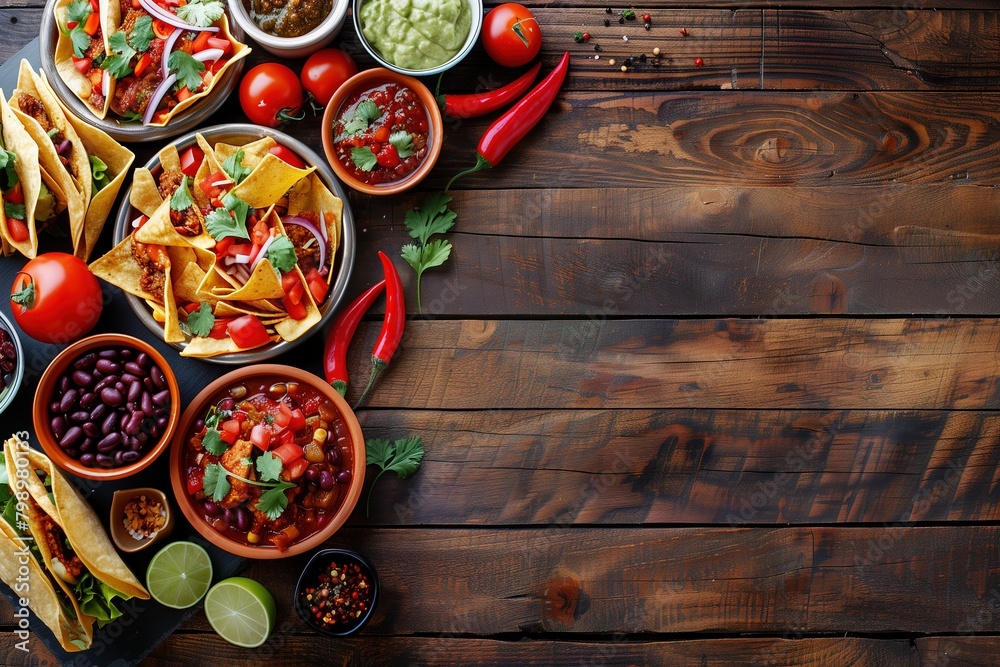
298, 420
289, 280
191, 307
92, 24
219, 328
195, 481
219, 43
191, 160
295, 294
207, 184
260, 232
184, 93
240, 249
286, 436
141, 66
15, 195
222, 247
288, 452
83, 65
200, 42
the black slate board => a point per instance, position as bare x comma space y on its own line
144, 623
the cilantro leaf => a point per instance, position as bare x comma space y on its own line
364, 115
142, 34
215, 483
281, 253
269, 467
403, 141
431, 217
274, 501
7, 162
233, 166
201, 13
403, 457
122, 52
220, 224
187, 68
202, 320
213, 443
363, 158
213, 417
98, 173
78, 11
239, 208
15, 211
181, 199
81, 41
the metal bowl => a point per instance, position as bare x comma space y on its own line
8, 393
470, 41
239, 134
132, 132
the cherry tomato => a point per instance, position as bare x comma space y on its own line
511, 35
325, 71
18, 230
55, 298
270, 93
288, 155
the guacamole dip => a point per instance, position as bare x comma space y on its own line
416, 34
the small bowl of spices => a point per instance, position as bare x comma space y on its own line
139, 518
11, 363
337, 592
290, 28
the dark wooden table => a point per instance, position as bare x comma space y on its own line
712, 375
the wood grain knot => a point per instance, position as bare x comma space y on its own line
774, 150
564, 601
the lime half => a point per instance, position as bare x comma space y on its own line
179, 575
241, 610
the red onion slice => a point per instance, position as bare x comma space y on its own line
170, 18
63, 147
168, 48
105, 83
262, 252
302, 222
157, 97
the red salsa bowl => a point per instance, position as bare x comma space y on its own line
382, 132
268, 462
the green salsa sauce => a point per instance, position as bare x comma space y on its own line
416, 34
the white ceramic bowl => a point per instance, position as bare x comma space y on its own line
470, 41
292, 47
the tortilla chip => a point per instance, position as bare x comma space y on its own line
144, 195
264, 283
119, 268
201, 347
159, 229
157, 311
118, 160
170, 159
253, 152
269, 181
227, 309
17, 140
312, 195
290, 329
171, 326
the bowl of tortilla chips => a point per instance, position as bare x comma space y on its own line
228, 251
145, 70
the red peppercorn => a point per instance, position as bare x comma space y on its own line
586, 36
646, 18
698, 62
684, 32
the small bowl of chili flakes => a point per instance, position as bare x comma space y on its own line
337, 592
140, 517
382, 132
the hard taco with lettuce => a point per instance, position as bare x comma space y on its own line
82, 164
260, 237
75, 575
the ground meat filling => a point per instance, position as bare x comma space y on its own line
132, 93
306, 248
95, 76
188, 221
55, 540
152, 277
32, 106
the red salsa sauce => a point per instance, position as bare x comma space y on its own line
381, 134
307, 455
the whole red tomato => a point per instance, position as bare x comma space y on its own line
325, 71
511, 35
55, 298
270, 93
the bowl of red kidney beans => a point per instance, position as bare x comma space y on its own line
337, 592
11, 363
106, 407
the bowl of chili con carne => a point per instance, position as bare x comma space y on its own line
382, 132
337, 592
268, 462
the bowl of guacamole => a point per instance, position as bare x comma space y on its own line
418, 37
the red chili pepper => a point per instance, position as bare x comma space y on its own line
511, 127
392, 324
339, 337
480, 104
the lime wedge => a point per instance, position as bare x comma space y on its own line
241, 610
179, 575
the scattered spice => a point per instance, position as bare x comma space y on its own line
656, 50
342, 594
586, 36
624, 69
611, 62
143, 518
628, 14
597, 47
607, 11
698, 62
578, 37
646, 18
624, 38
646, 26
607, 23
684, 32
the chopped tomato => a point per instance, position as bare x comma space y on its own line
208, 186
191, 307
284, 538
219, 328
288, 452
318, 287
247, 332
183, 93
95, 5
17, 229
92, 24
286, 436
260, 435
83, 65
219, 43
284, 416
288, 155
295, 294
289, 280
144, 62
162, 29
222, 247
201, 42
191, 160
15, 196
296, 311
136, 4
174, 3
195, 481
218, 65
298, 420
230, 430
295, 469
240, 249
260, 233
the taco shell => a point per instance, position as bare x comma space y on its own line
76, 81
17, 140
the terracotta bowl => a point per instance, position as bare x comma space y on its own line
367, 80
44, 393
193, 509
123, 539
